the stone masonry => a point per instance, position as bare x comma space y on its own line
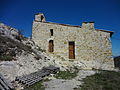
92, 47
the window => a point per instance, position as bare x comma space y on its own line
42, 18
51, 32
51, 46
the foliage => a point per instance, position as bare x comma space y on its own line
6, 58
46, 80
66, 74
105, 80
38, 85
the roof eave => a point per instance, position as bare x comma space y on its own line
111, 32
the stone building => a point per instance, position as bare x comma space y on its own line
84, 45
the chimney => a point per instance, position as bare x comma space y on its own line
88, 25
40, 17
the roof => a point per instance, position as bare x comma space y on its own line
64, 24
111, 32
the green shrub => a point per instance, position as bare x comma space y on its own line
6, 58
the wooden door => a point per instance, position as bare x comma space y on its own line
51, 46
71, 50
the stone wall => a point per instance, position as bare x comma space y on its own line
92, 47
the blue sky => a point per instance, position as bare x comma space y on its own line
105, 13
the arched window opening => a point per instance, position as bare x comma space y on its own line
42, 17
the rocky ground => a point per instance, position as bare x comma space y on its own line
72, 84
63, 80
20, 55
84, 80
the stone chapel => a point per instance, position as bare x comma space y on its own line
82, 44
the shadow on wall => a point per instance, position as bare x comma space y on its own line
117, 62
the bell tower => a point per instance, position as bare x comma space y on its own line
40, 17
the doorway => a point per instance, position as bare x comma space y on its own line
72, 50
51, 46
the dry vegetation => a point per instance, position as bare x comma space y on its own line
10, 48
105, 80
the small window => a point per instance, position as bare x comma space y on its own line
51, 32
42, 18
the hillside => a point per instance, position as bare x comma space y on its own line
19, 55
117, 61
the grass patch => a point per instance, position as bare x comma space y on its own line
105, 80
46, 79
6, 58
66, 74
38, 85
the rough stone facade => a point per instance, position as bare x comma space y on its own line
92, 47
